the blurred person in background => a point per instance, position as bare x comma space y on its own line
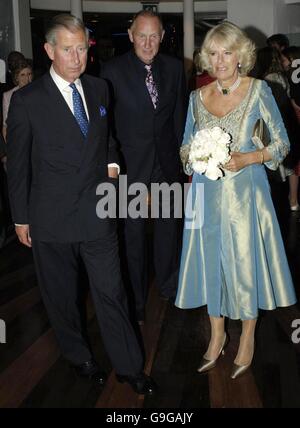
278, 41
13, 59
288, 56
22, 75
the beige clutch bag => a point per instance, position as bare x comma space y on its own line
261, 136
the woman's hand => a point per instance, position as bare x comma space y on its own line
238, 161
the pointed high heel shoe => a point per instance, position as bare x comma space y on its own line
206, 365
238, 371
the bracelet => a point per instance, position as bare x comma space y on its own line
261, 156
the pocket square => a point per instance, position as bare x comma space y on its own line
102, 111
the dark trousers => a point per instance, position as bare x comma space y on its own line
5, 218
2, 223
166, 246
165, 255
57, 266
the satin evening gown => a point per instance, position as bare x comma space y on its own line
235, 263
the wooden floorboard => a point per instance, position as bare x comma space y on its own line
60, 387
22, 332
27, 370
116, 395
228, 393
15, 283
19, 305
34, 375
179, 352
19, 256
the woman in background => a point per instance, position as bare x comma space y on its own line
288, 56
269, 67
21, 75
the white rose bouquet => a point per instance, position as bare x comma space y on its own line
209, 150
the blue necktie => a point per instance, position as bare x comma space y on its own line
79, 110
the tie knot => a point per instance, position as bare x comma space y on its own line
148, 67
73, 86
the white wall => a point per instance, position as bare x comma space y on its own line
128, 7
21, 12
7, 39
262, 18
2, 71
255, 16
199, 6
286, 17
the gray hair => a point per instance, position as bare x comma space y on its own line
67, 22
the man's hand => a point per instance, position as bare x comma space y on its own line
113, 172
23, 235
4, 161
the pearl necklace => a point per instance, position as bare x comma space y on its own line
227, 91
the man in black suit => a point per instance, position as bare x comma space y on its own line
2, 192
149, 115
2, 147
59, 151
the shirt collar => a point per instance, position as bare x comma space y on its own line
60, 82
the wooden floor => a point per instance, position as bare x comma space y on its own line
33, 374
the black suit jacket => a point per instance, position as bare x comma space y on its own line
2, 146
53, 171
143, 132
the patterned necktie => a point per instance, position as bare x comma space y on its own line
79, 110
151, 85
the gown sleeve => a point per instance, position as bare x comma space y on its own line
279, 145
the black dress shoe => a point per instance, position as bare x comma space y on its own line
141, 384
90, 370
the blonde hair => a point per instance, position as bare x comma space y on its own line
231, 37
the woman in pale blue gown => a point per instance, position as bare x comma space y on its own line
234, 263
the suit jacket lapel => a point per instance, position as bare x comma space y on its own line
91, 104
59, 105
161, 82
135, 69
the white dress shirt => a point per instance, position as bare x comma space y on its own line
66, 91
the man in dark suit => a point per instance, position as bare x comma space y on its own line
59, 151
149, 115
2, 192
2, 147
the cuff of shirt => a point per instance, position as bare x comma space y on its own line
114, 165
